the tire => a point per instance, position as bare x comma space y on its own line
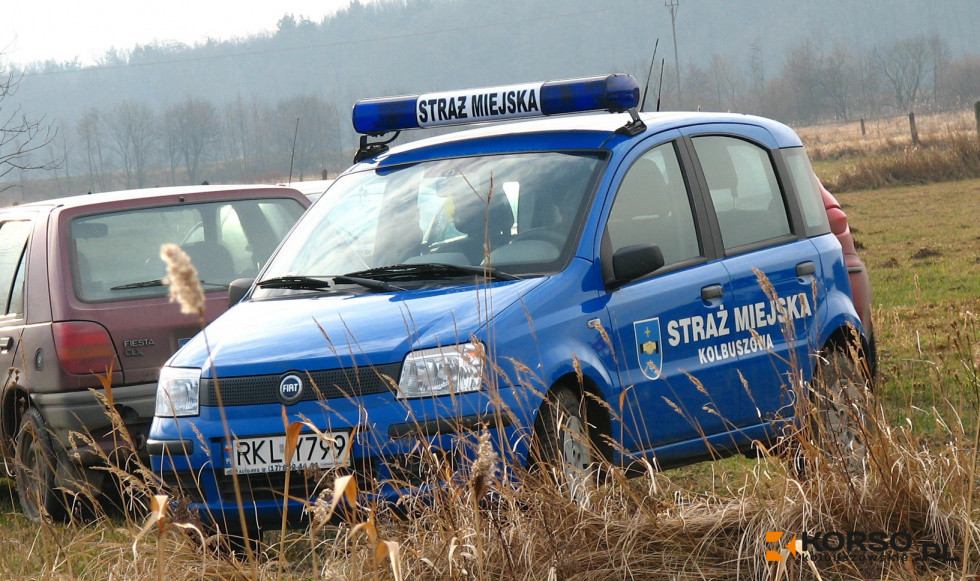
840, 404
232, 543
36, 467
564, 446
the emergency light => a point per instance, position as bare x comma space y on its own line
613, 93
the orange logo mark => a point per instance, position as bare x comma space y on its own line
774, 537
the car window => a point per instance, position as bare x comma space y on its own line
13, 240
447, 211
114, 252
744, 190
652, 206
814, 213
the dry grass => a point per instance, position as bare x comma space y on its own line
948, 149
839, 140
495, 520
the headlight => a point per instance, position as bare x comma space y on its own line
442, 371
177, 392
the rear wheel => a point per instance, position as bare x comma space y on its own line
837, 420
36, 467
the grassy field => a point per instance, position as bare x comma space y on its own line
922, 246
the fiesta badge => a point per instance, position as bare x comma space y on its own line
649, 349
290, 388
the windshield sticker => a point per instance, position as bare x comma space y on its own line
649, 351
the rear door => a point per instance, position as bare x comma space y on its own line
14, 234
773, 269
663, 323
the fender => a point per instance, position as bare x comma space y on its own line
834, 312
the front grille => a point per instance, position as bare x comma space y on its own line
328, 384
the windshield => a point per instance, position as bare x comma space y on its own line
520, 213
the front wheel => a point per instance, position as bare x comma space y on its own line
565, 447
36, 469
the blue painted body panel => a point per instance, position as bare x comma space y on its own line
538, 330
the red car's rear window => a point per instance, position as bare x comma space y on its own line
117, 255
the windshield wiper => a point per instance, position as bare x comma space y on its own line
156, 282
141, 284
367, 283
429, 270
294, 282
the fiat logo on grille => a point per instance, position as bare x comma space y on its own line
290, 388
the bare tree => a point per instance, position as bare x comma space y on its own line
133, 129
903, 65
193, 131
802, 71
837, 80
20, 136
91, 138
315, 141
729, 83
939, 55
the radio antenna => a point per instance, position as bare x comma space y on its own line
660, 87
293, 154
646, 85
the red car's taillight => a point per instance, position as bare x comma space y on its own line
83, 347
838, 220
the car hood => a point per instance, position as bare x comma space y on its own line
330, 331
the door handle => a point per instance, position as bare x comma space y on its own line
6, 343
714, 291
805, 269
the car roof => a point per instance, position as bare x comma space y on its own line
311, 187
151, 194
582, 131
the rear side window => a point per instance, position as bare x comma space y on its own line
13, 240
744, 190
116, 255
811, 201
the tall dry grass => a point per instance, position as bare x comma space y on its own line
953, 158
481, 514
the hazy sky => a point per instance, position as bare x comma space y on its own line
37, 30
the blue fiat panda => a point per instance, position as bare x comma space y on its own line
593, 285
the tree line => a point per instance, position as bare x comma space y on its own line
816, 83
137, 143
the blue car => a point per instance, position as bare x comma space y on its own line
585, 283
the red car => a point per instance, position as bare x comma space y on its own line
857, 272
80, 281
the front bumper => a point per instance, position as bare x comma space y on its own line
396, 446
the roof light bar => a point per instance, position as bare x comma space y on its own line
614, 93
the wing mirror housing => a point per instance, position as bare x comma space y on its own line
238, 289
633, 262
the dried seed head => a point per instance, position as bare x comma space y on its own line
484, 466
185, 286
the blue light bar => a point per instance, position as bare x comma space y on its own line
614, 93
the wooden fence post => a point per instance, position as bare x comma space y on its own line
976, 111
864, 132
915, 132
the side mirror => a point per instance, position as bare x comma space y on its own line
237, 289
632, 262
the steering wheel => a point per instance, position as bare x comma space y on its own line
543, 234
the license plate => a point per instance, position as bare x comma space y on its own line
267, 454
